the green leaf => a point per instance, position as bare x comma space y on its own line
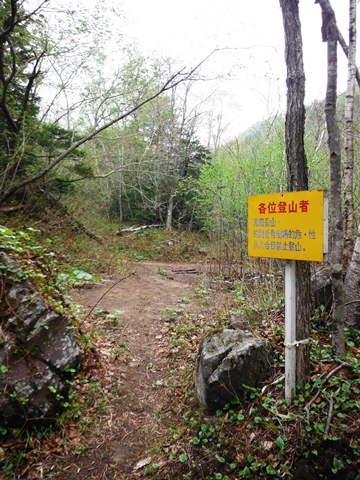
5, 231
96, 278
81, 275
183, 458
246, 473
337, 465
280, 443
271, 470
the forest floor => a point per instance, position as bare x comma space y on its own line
136, 388
123, 398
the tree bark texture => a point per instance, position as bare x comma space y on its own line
352, 286
170, 210
352, 289
330, 35
297, 168
349, 140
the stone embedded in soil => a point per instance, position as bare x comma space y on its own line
227, 362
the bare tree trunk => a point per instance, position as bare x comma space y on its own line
352, 286
297, 169
120, 180
330, 35
352, 289
170, 210
121, 216
349, 141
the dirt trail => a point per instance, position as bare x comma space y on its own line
131, 366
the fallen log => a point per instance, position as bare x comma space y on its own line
190, 270
136, 229
11, 209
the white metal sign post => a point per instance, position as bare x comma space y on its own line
290, 329
291, 226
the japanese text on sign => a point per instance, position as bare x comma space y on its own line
287, 225
283, 207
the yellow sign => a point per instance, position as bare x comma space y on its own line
291, 225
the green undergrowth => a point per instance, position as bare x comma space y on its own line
38, 264
105, 252
261, 436
159, 244
258, 436
56, 261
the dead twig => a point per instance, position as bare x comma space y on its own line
353, 301
328, 421
103, 472
102, 296
112, 439
11, 209
328, 376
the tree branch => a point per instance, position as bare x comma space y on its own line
171, 83
9, 23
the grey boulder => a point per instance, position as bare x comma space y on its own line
227, 362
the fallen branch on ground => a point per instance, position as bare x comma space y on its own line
102, 296
190, 270
132, 229
329, 400
11, 209
330, 415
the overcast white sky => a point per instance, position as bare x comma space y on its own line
191, 29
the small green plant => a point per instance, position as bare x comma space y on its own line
76, 278
337, 465
7, 469
139, 256
280, 443
80, 450
171, 313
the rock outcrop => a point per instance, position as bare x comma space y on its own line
38, 349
